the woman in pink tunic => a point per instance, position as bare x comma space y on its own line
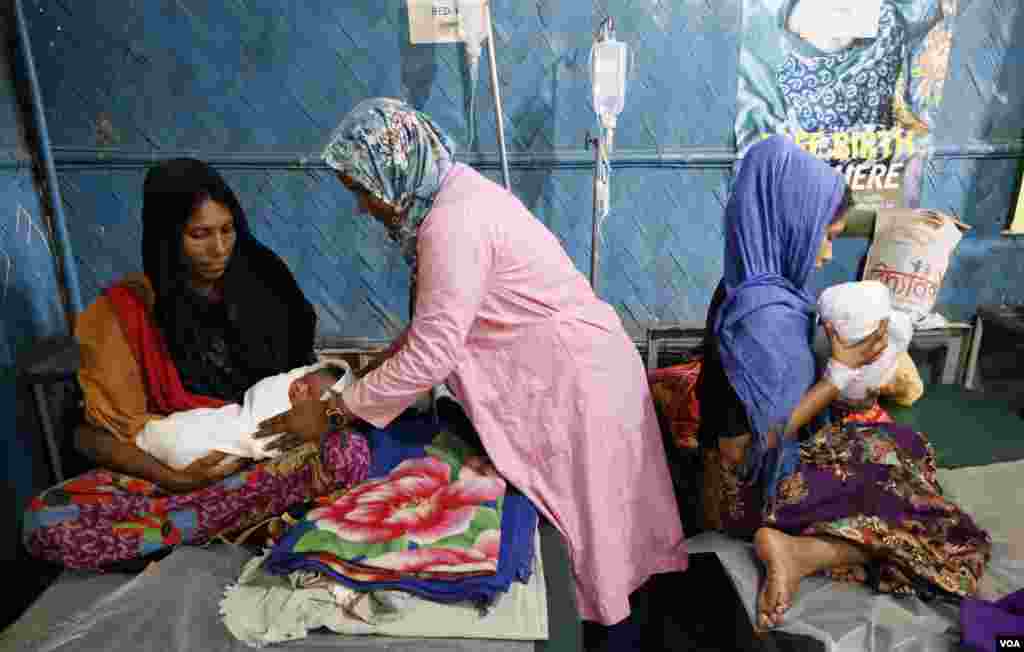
542, 367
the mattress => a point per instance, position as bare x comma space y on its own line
176, 610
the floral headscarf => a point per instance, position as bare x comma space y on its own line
399, 155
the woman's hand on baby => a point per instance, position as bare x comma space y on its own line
860, 354
306, 421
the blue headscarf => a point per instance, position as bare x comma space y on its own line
781, 204
397, 154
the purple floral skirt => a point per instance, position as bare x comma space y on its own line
872, 484
101, 517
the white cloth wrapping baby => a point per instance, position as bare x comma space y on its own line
184, 437
856, 310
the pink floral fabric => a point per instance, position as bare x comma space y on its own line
434, 515
416, 500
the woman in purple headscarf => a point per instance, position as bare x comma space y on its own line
859, 501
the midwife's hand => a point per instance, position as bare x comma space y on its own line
202, 473
865, 352
306, 421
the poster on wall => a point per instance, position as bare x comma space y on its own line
856, 82
1016, 226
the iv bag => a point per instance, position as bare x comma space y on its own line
473, 24
608, 62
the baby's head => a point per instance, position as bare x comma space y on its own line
856, 310
313, 385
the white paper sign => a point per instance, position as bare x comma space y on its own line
434, 21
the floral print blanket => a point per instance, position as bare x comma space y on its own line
434, 517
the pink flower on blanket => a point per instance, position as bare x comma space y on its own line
483, 556
415, 500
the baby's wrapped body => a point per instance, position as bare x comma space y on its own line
856, 310
181, 438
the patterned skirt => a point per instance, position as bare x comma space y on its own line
874, 485
102, 518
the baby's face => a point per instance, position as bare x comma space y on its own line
308, 388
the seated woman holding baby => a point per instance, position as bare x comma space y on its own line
215, 313
853, 498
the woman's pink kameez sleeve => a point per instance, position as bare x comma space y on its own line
455, 255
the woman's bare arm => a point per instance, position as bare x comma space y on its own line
822, 393
109, 452
817, 398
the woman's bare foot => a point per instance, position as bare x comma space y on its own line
786, 565
789, 559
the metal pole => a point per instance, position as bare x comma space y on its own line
499, 115
59, 222
49, 432
595, 219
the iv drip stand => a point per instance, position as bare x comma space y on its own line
499, 118
499, 114
595, 220
602, 167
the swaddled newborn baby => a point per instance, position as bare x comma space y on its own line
856, 310
184, 437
